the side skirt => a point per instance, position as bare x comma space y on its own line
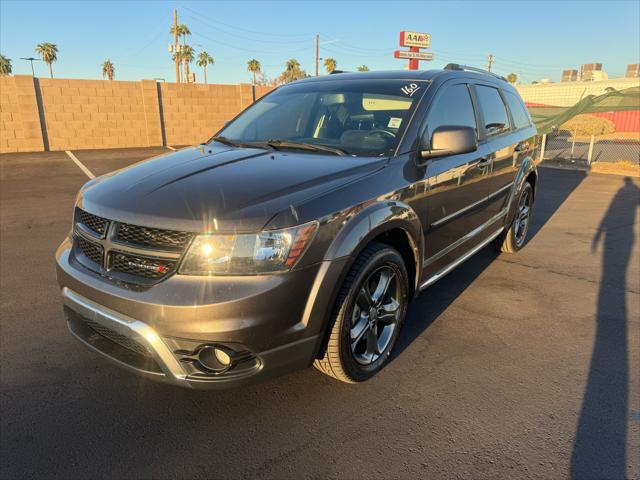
442, 272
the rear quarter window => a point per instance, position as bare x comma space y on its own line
521, 118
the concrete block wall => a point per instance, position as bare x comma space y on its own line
192, 113
20, 129
62, 114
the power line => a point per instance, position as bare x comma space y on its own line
252, 40
255, 32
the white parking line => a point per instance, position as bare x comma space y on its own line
86, 171
171, 148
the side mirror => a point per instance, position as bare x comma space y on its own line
451, 140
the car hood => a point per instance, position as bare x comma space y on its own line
218, 188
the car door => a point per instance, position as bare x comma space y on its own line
455, 186
499, 144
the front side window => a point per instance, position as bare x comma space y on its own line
519, 112
452, 108
363, 118
494, 113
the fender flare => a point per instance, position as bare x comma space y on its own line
528, 166
375, 219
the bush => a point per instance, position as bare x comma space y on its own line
589, 125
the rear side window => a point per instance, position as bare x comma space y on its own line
453, 108
519, 112
494, 113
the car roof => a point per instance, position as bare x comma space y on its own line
424, 75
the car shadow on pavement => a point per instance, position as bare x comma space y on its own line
599, 449
554, 187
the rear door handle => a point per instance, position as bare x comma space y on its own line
484, 162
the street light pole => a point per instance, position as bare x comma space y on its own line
317, 51
31, 59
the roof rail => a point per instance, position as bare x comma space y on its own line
456, 66
333, 72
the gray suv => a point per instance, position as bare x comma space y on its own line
299, 233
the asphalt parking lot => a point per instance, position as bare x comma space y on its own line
513, 366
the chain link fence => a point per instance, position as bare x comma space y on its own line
583, 123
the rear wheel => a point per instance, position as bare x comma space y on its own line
368, 314
515, 237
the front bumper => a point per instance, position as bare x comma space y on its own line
277, 321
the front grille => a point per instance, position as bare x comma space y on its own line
92, 222
152, 237
145, 267
90, 250
122, 340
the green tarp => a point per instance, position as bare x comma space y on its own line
546, 118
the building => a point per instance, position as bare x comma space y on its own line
633, 71
592, 72
569, 75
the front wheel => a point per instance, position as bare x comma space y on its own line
514, 238
368, 314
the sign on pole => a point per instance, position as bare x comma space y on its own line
413, 55
415, 39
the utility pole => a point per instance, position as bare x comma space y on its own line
317, 51
489, 61
176, 45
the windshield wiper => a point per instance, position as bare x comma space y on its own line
279, 144
233, 143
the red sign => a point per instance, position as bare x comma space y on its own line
415, 39
409, 55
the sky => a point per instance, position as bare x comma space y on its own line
535, 40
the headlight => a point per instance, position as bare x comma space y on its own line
264, 252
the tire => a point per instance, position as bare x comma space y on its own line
516, 236
360, 341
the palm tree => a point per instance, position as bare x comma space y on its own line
254, 67
5, 66
205, 59
49, 54
330, 64
187, 57
363, 68
292, 72
183, 31
177, 55
512, 78
108, 69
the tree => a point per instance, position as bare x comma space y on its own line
183, 31
512, 78
292, 72
5, 66
363, 68
254, 67
330, 64
108, 70
187, 57
205, 59
49, 54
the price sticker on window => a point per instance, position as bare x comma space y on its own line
394, 122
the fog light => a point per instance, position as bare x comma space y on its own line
222, 356
214, 359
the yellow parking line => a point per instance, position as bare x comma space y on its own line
171, 148
86, 171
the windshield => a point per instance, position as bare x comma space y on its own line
364, 118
